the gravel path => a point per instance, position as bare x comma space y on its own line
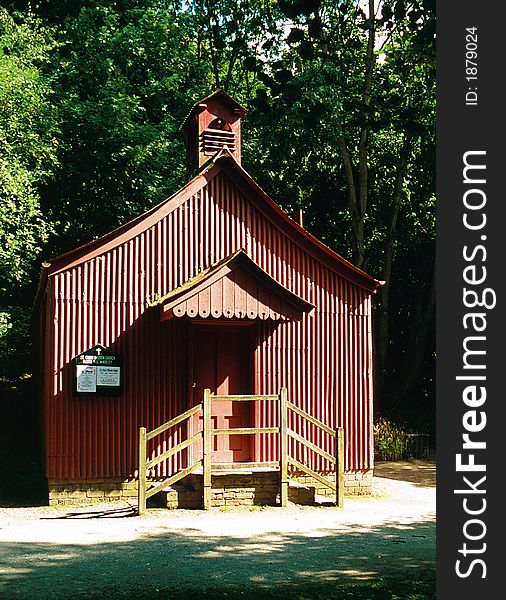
106, 551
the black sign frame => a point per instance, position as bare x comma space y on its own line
99, 362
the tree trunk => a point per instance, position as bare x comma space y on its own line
382, 313
357, 239
358, 194
214, 58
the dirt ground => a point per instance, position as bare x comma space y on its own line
380, 547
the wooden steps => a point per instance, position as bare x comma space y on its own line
243, 483
238, 487
178, 495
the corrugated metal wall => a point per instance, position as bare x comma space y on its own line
324, 360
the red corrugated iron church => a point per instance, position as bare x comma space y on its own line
215, 288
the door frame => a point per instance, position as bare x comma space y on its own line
212, 323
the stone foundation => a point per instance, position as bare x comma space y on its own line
105, 490
357, 483
244, 488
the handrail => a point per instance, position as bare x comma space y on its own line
311, 419
268, 464
338, 460
172, 479
313, 474
310, 445
245, 398
181, 446
244, 430
190, 412
144, 464
207, 433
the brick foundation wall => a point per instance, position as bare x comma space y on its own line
245, 490
236, 489
231, 489
106, 490
357, 483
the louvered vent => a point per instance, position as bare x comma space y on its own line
214, 140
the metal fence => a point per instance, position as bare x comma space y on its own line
409, 446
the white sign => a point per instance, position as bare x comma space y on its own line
108, 376
86, 379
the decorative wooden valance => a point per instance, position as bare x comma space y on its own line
235, 287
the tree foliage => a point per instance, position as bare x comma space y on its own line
340, 125
125, 77
28, 154
28, 127
350, 98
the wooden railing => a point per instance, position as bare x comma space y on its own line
146, 492
337, 460
208, 432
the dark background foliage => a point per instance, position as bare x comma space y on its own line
340, 125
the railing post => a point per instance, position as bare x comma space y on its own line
340, 467
206, 464
141, 505
283, 446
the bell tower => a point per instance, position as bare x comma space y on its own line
213, 123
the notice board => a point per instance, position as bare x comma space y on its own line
97, 372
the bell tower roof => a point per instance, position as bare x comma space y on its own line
212, 124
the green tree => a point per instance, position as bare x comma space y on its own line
406, 78
28, 154
340, 125
126, 74
347, 117
230, 36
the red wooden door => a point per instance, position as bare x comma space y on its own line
222, 362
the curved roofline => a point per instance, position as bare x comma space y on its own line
238, 258
294, 225
131, 228
219, 92
222, 160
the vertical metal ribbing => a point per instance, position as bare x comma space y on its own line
72, 351
48, 366
211, 227
54, 406
229, 216
157, 258
340, 467
221, 228
346, 341
353, 380
324, 359
190, 235
65, 351
200, 260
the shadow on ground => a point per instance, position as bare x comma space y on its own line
112, 513
421, 473
381, 562
388, 562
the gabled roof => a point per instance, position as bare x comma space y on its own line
293, 229
233, 287
222, 161
222, 95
